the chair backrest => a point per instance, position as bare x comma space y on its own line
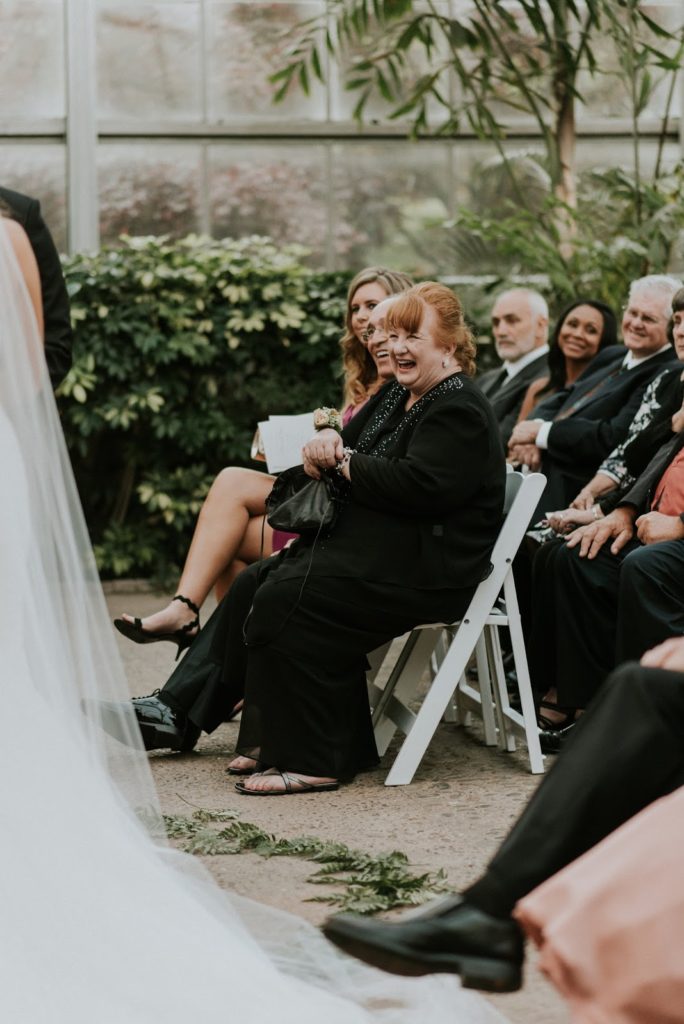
513, 481
522, 495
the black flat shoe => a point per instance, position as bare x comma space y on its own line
138, 634
450, 936
554, 734
161, 727
552, 741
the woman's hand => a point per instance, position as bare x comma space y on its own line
570, 518
525, 455
597, 486
584, 500
323, 451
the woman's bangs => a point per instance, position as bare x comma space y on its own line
406, 314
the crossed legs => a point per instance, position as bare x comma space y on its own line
227, 538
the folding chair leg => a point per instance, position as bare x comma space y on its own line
416, 743
524, 685
402, 683
506, 737
485, 687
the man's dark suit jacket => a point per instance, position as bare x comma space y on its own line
599, 407
58, 333
508, 397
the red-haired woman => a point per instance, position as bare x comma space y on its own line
425, 475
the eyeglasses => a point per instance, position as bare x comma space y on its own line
646, 318
371, 331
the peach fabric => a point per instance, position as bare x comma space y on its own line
669, 496
610, 926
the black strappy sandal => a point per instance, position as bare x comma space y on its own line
134, 630
544, 722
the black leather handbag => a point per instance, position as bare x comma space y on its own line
299, 504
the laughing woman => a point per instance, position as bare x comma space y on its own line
425, 476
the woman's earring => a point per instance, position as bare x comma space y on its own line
445, 362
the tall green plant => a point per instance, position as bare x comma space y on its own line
526, 58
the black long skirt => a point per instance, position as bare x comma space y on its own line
297, 652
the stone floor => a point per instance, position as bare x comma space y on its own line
461, 803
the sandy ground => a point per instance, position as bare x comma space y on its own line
461, 803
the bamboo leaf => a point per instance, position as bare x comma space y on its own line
657, 29
303, 76
316, 64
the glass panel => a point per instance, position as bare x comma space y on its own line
149, 189
148, 61
389, 198
613, 152
343, 100
245, 45
32, 59
270, 189
607, 96
39, 171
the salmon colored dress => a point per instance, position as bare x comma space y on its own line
610, 926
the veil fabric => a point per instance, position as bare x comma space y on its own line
100, 922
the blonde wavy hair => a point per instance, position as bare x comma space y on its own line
407, 312
360, 373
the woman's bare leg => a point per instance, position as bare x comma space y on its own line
236, 497
251, 550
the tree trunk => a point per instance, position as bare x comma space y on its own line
565, 188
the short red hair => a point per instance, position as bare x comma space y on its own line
408, 309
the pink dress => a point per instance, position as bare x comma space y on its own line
610, 926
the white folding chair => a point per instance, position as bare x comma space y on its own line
493, 605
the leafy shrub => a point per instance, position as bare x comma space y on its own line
179, 350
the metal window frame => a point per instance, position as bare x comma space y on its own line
81, 131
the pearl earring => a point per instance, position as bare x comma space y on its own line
445, 362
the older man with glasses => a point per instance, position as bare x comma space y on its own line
575, 429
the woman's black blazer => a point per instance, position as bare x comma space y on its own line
427, 512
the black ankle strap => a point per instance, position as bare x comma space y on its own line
193, 608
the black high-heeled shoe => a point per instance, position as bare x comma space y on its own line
138, 634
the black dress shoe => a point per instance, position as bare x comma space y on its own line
552, 741
450, 936
163, 728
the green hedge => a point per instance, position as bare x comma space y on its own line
179, 350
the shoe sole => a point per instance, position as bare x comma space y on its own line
327, 787
156, 737
485, 974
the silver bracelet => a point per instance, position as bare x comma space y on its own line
344, 461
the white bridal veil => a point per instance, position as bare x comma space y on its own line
100, 922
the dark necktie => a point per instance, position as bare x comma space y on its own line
582, 401
496, 384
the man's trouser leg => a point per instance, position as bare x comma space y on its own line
626, 751
651, 598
